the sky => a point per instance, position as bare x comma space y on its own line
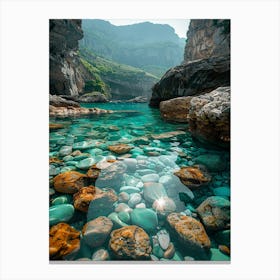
180, 25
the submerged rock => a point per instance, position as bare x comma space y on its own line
193, 176
60, 213
130, 243
190, 233
83, 197
100, 255
163, 239
215, 213
153, 191
164, 206
120, 148
144, 218
102, 203
96, 231
213, 162
63, 240
69, 182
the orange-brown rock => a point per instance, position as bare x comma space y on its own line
69, 182
83, 197
63, 241
120, 148
75, 111
55, 126
193, 176
102, 203
93, 172
130, 243
181, 113
96, 231
224, 249
190, 233
215, 213
55, 160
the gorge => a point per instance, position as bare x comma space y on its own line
139, 161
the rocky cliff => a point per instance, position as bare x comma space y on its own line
206, 65
207, 38
66, 71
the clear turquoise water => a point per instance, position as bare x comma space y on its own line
129, 122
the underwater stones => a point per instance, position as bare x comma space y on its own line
100, 255
112, 175
222, 191
129, 189
181, 104
144, 218
217, 255
130, 243
164, 206
84, 145
140, 205
150, 178
60, 213
170, 251
124, 216
102, 203
193, 176
153, 191
63, 199
166, 136
93, 172
213, 162
163, 238
209, 117
141, 140
63, 240
69, 182
215, 213
223, 237
224, 249
135, 198
55, 126
85, 163
122, 207
65, 150
120, 148
190, 233
123, 197
130, 163
96, 231
83, 197
118, 223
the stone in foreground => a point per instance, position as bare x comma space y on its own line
63, 241
102, 203
215, 213
191, 234
69, 182
83, 197
193, 176
130, 243
96, 231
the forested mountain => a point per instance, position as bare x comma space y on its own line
151, 47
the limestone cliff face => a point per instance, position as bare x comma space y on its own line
207, 38
206, 65
66, 72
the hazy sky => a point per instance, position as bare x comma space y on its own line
180, 25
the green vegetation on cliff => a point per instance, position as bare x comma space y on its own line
151, 47
118, 80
